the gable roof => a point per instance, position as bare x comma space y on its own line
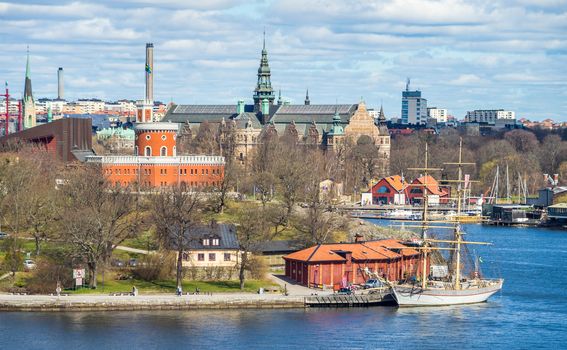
361, 251
431, 184
193, 239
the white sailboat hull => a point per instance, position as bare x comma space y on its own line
415, 296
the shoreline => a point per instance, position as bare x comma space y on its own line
46, 303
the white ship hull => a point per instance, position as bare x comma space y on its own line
415, 296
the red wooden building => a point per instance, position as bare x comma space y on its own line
415, 190
336, 264
385, 190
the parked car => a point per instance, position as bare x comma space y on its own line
372, 283
133, 262
344, 291
3, 235
29, 264
117, 263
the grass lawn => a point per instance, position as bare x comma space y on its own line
144, 287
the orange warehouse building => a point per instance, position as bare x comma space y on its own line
339, 264
156, 163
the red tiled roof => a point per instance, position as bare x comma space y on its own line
363, 251
396, 182
431, 184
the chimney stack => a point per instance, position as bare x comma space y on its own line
149, 72
60, 89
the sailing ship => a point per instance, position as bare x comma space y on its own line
454, 287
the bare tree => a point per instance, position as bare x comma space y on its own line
251, 231
264, 184
176, 211
95, 217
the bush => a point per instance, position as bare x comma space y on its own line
47, 273
258, 267
156, 267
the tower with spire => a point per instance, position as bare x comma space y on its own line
28, 104
335, 136
307, 101
263, 89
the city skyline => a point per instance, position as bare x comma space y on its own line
462, 56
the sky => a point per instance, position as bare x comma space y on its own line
462, 55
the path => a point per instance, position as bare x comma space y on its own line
293, 288
6, 275
133, 250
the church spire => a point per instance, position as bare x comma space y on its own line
28, 95
307, 101
28, 105
264, 89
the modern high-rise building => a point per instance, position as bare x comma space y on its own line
439, 114
414, 107
60, 88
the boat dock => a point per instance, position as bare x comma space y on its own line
335, 300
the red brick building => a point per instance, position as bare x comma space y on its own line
155, 162
336, 264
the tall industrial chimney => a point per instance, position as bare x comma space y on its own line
60, 90
149, 72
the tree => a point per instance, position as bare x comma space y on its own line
552, 151
264, 184
316, 224
291, 171
175, 211
95, 217
251, 231
522, 140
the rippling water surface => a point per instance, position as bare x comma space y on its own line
531, 312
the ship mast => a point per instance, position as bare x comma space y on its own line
461, 187
425, 217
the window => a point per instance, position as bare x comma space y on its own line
191, 171
202, 171
215, 241
206, 241
163, 151
148, 137
185, 256
212, 257
226, 256
148, 151
163, 137
201, 257
383, 189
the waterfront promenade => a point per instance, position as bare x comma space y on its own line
90, 302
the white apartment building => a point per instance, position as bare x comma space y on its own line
12, 107
91, 106
440, 114
489, 115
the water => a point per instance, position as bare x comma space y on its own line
531, 312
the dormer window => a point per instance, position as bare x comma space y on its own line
206, 241
215, 242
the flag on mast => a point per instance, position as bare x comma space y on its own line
148, 69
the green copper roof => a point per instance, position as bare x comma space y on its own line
28, 66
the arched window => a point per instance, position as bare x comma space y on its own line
136, 150
383, 189
163, 151
174, 151
148, 151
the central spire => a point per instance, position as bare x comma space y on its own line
264, 89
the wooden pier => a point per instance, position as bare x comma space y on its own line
336, 300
